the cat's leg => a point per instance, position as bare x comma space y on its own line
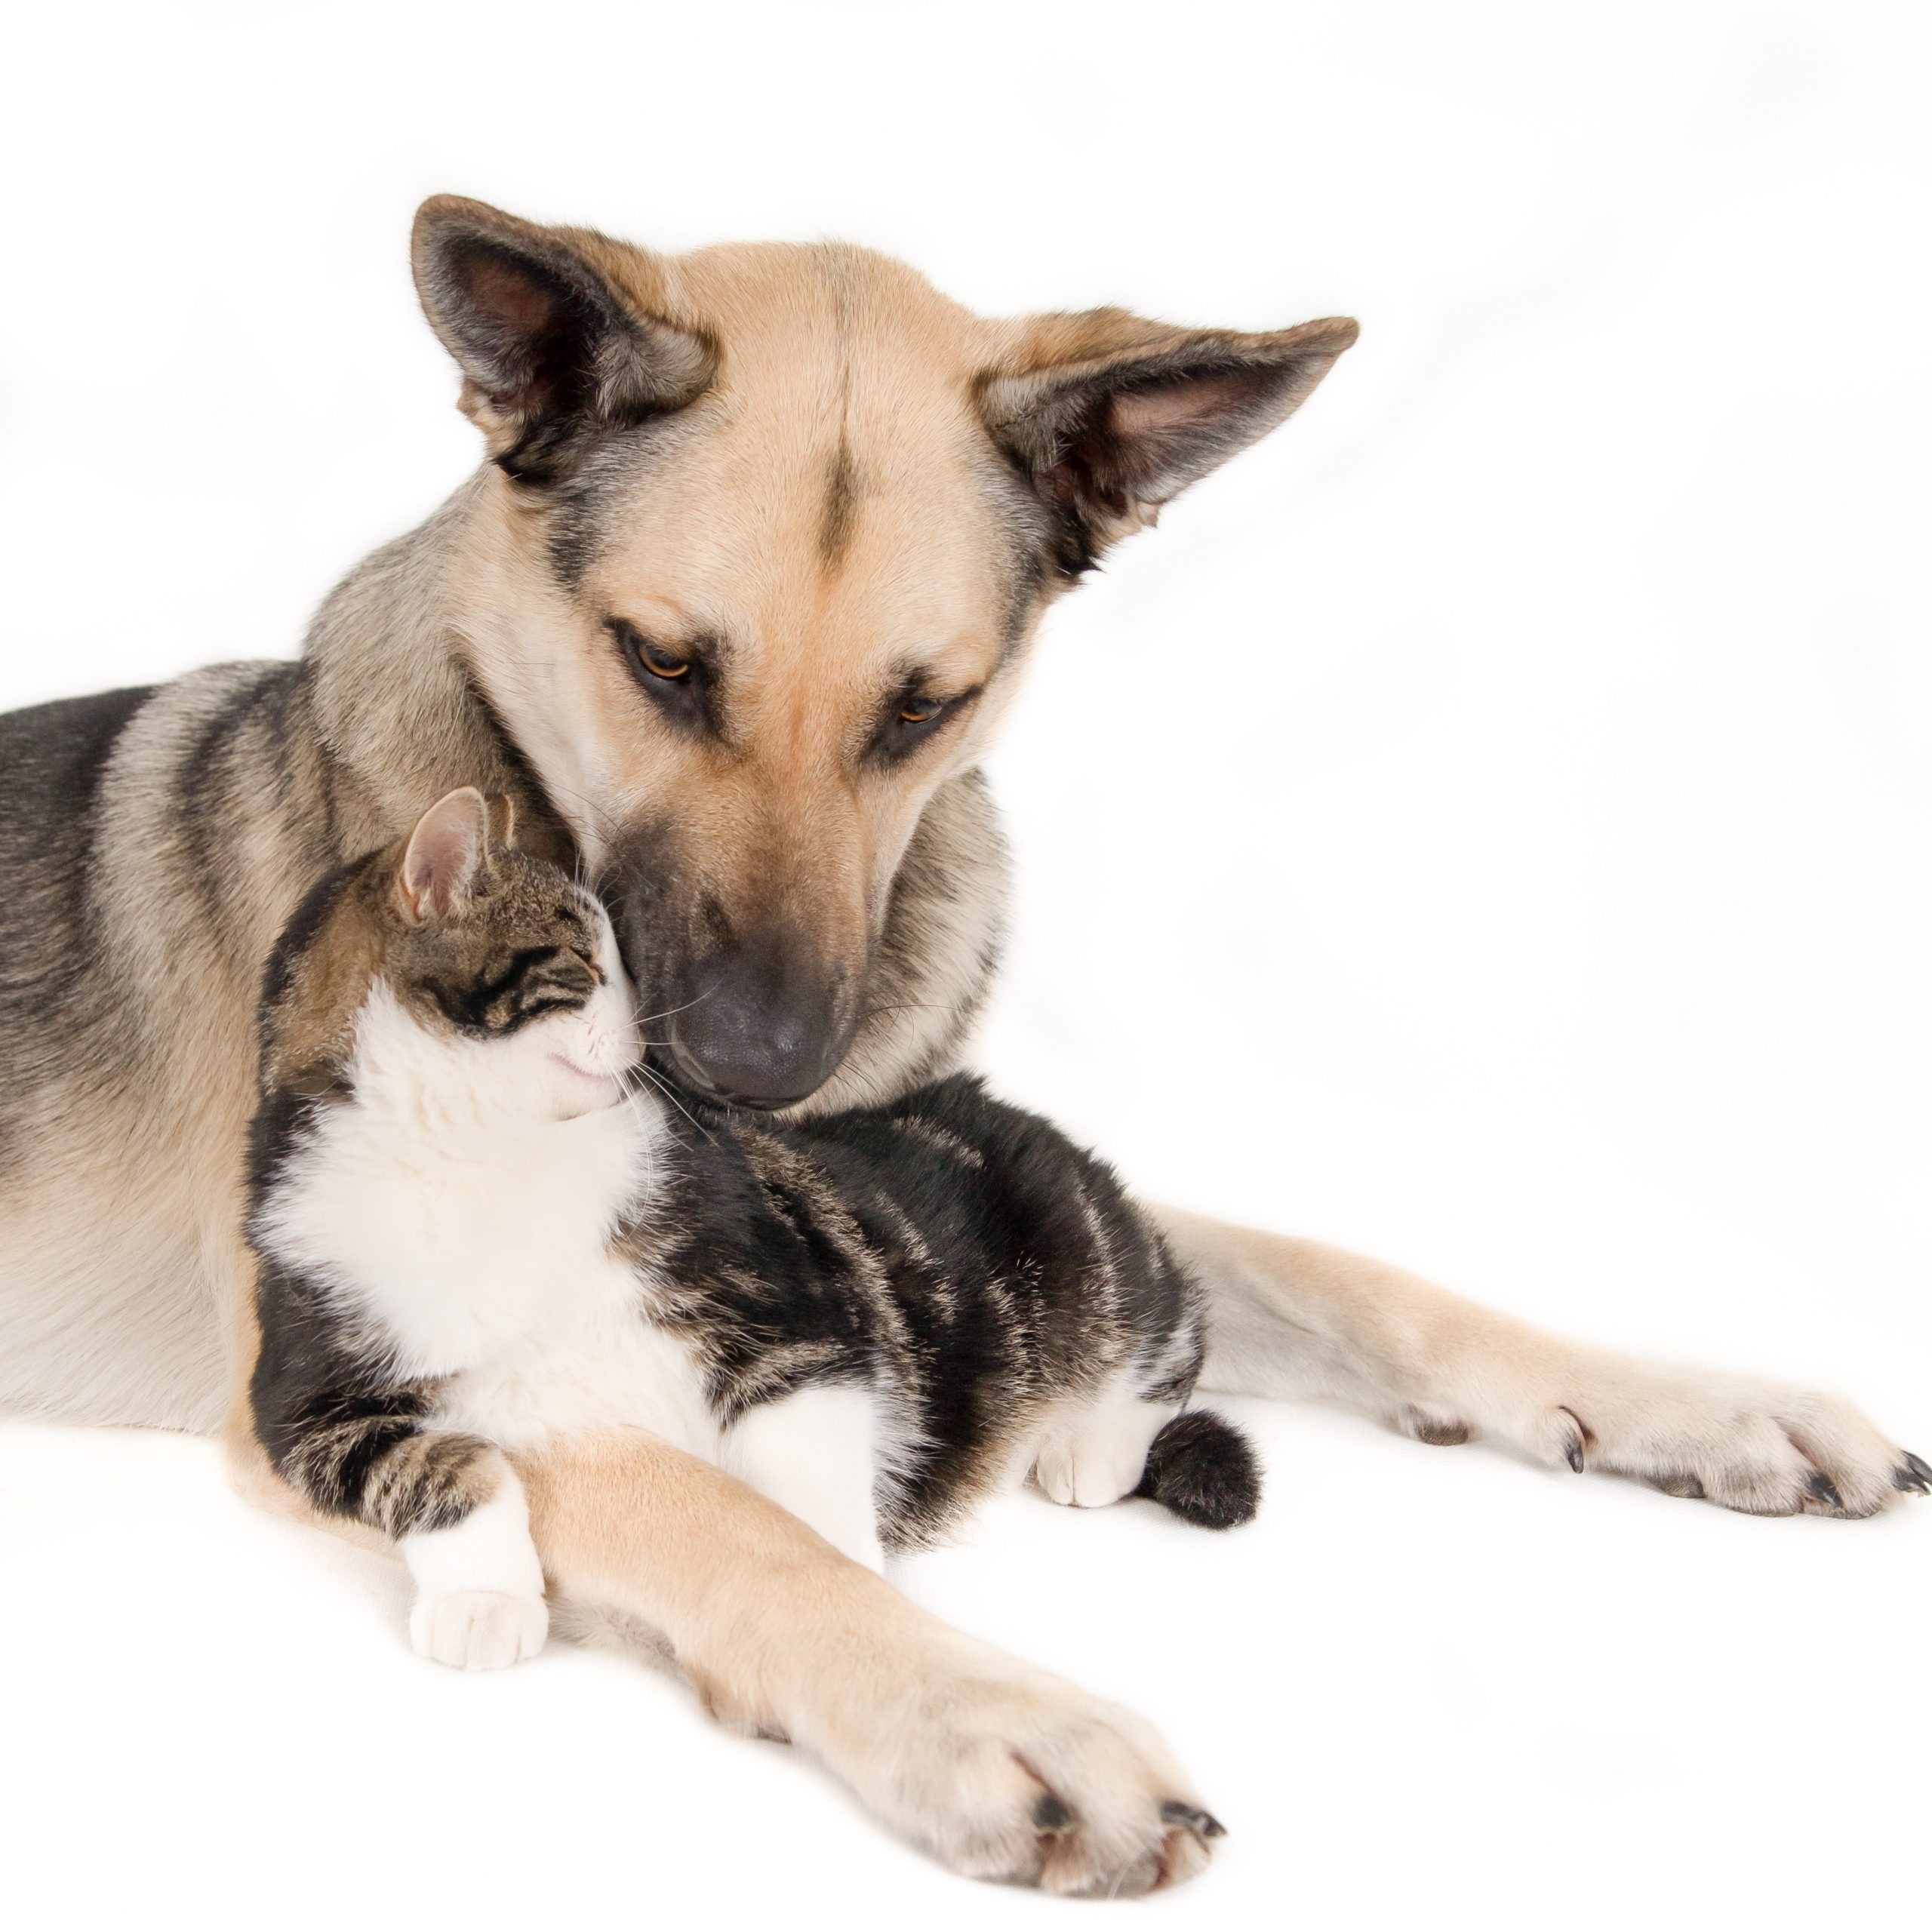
357, 1448
450, 1504
1291, 1318
479, 1587
815, 1453
1001, 1770
1096, 1456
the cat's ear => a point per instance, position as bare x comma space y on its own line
502, 818
1109, 417
446, 855
552, 329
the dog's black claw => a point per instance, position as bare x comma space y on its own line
1919, 1466
1914, 1475
1573, 1449
1824, 1490
1051, 1813
1202, 1824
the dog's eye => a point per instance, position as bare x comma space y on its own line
660, 662
680, 681
914, 720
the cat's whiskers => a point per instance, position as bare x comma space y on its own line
665, 1087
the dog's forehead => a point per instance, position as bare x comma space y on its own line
771, 306
838, 476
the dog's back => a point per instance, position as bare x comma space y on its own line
119, 1081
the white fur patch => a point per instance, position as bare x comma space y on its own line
815, 1453
479, 1588
1095, 1455
463, 1201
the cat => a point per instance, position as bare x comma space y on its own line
476, 1225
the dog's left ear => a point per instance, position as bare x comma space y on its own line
545, 324
1110, 416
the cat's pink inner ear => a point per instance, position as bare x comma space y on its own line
446, 853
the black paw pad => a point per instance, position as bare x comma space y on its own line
1051, 1813
1191, 1817
1438, 1432
1685, 1485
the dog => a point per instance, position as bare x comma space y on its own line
731, 610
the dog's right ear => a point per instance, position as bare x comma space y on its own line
1110, 416
551, 353
446, 855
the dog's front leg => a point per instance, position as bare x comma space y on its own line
1292, 1318
1002, 1771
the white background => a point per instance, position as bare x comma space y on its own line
1486, 826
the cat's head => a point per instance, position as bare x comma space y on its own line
453, 957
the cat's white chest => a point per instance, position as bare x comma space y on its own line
602, 1370
459, 1244
476, 1252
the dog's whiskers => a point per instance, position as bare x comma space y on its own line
644, 1020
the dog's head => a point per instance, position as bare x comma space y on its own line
768, 530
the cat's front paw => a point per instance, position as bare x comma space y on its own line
1100, 1459
479, 1586
478, 1630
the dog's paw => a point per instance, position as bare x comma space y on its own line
478, 1630
1022, 1778
1757, 1447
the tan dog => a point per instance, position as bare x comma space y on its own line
731, 611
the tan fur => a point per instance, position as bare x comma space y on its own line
313, 1030
1295, 1318
827, 504
822, 349
950, 1742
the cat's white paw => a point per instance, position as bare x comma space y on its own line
479, 1586
1101, 1458
478, 1630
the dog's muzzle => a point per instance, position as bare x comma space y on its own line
759, 1028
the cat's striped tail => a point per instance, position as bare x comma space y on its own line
1204, 1470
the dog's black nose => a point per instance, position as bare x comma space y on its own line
761, 1028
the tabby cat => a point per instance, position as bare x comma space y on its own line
474, 1229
